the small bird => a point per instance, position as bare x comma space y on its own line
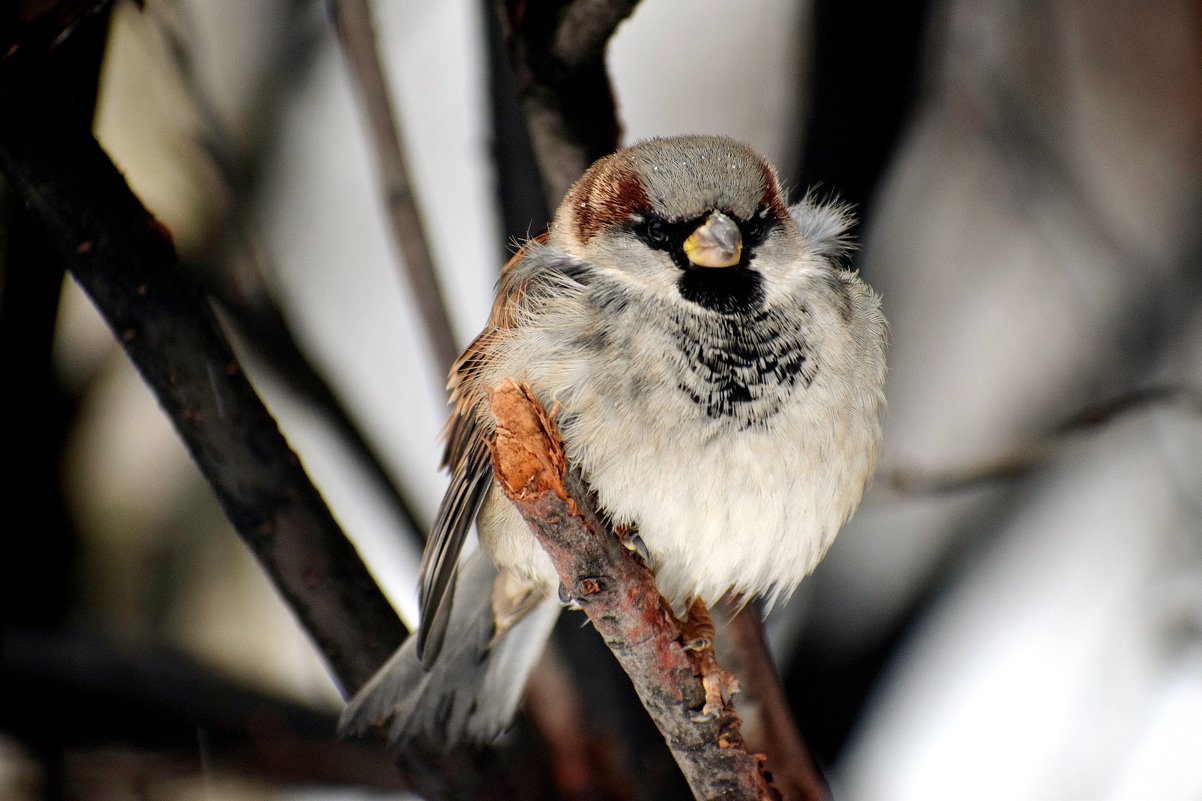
718, 378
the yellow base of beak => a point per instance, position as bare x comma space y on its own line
716, 243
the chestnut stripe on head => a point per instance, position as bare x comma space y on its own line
772, 197
607, 195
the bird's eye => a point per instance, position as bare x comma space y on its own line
755, 228
656, 232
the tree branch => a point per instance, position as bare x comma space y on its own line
619, 595
124, 260
1022, 460
231, 265
584, 30
793, 770
356, 34
77, 688
557, 49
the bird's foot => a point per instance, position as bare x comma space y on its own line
567, 600
633, 542
697, 637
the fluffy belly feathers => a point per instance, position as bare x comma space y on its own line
720, 507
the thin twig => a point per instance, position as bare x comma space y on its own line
619, 595
356, 34
1020, 461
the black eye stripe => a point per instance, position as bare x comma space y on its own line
660, 234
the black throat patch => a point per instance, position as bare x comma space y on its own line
742, 367
726, 290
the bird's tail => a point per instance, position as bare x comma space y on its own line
471, 691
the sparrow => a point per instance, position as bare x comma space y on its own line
717, 374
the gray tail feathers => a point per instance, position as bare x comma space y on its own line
471, 691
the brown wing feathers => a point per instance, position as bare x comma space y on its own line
468, 458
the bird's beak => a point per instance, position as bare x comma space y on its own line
716, 242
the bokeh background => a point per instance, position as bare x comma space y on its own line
1015, 612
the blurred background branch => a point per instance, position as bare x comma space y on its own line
234, 266
124, 259
1022, 461
556, 52
356, 34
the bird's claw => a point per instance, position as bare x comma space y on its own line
634, 542
566, 599
718, 685
697, 636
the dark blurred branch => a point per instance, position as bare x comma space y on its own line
863, 83
356, 34
124, 260
30, 30
37, 573
520, 197
775, 732
577, 758
258, 318
556, 50
232, 266
583, 31
1020, 461
74, 689
679, 686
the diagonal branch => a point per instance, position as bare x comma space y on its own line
1021, 460
124, 260
356, 34
619, 595
793, 770
230, 264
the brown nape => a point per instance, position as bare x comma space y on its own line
772, 195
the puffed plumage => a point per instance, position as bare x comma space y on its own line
718, 377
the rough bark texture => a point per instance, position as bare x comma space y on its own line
618, 593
